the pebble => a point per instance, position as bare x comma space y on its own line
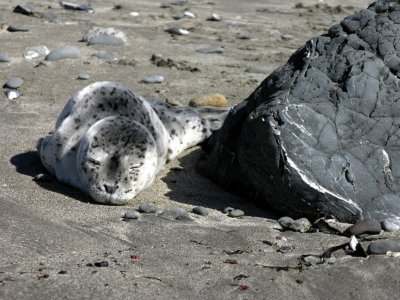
105, 36
228, 209
28, 10
299, 225
255, 70
131, 215
134, 14
287, 37
83, 76
147, 208
101, 264
273, 31
12, 94
236, 213
36, 51
154, 79
106, 55
288, 247
216, 100
63, 53
14, 82
177, 31
77, 6
17, 28
366, 226
211, 49
189, 14
4, 58
390, 224
383, 246
214, 17
200, 210
174, 214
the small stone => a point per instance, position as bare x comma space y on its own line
101, 264
131, 215
228, 209
106, 55
287, 37
236, 213
390, 224
189, 14
25, 10
214, 17
105, 36
17, 28
178, 17
63, 53
211, 49
12, 94
383, 246
134, 14
177, 31
200, 210
77, 6
366, 226
288, 247
147, 208
14, 82
299, 225
255, 70
216, 100
154, 79
36, 51
4, 58
83, 76
273, 31
174, 213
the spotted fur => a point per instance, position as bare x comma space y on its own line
111, 143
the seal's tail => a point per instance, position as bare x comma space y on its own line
213, 116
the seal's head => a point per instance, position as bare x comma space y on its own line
117, 159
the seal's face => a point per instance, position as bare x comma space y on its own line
117, 159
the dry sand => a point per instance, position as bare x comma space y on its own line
52, 236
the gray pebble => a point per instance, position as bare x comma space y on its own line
4, 58
299, 225
236, 213
174, 213
83, 76
105, 55
214, 17
63, 53
131, 215
390, 224
177, 31
147, 208
18, 27
366, 226
105, 36
154, 79
14, 82
255, 70
273, 31
211, 49
383, 246
228, 209
200, 210
287, 37
36, 51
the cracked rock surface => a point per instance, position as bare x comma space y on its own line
321, 134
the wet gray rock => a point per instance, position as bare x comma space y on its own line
131, 215
390, 224
147, 208
236, 213
323, 128
200, 210
105, 36
14, 82
299, 225
4, 58
63, 53
367, 226
383, 246
18, 27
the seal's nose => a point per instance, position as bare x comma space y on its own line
109, 188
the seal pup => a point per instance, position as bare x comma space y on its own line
111, 143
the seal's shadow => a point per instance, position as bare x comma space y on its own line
188, 186
29, 164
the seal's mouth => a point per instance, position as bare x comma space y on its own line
109, 194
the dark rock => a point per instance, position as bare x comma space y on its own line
383, 246
236, 213
18, 27
320, 135
27, 10
200, 210
367, 226
147, 208
63, 53
101, 264
131, 215
14, 82
4, 58
390, 224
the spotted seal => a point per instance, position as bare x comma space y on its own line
111, 143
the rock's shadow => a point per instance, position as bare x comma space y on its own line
188, 186
29, 163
